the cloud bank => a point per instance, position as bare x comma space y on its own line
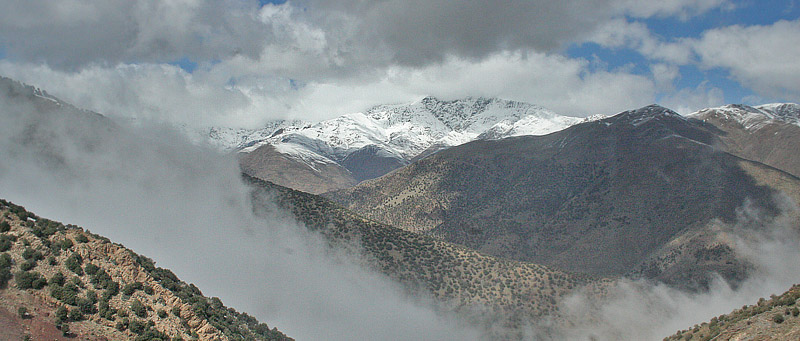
314, 60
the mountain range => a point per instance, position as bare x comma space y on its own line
343, 151
645, 192
469, 203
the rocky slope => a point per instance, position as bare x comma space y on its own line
769, 133
60, 281
370, 144
775, 319
643, 192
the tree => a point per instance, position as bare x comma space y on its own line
23, 312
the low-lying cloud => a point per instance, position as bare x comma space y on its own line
186, 207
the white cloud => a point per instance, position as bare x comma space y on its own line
763, 58
689, 100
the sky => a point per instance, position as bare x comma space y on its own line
241, 63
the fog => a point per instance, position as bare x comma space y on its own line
643, 310
186, 207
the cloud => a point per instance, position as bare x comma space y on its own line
75, 33
640, 310
206, 97
187, 208
759, 57
688, 100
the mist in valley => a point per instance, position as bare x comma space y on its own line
185, 206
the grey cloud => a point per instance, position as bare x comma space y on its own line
75, 33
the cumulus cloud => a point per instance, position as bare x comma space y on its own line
760, 57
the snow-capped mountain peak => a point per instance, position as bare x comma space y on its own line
753, 118
396, 133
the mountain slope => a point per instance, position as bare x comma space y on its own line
773, 319
93, 289
769, 133
455, 276
388, 137
643, 191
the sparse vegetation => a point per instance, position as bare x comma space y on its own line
87, 289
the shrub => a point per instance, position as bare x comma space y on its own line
66, 243
81, 238
52, 260
30, 280
5, 226
130, 288
778, 318
6, 242
22, 312
75, 315
91, 269
30, 253
57, 279
5, 276
28, 265
138, 308
62, 314
73, 263
162, 313
65, 330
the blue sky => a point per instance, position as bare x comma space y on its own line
244, 62
744, 13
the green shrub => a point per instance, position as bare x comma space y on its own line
57, 279
30, 280
5, 226
162, 313
778, 318
75, 315
65, 244
130, 288
28, 265
81, 238
30, 253
62, 314
91, 269
74, 262
138, 308
6, 242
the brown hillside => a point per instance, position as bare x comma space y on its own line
58, 280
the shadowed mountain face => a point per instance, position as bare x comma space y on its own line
606, 197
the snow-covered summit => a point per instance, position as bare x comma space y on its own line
399, 131
753, 118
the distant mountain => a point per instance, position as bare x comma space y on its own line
59, 282
645, 192
775, 319
371, 144
769, 133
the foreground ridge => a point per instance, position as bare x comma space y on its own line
58, 280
